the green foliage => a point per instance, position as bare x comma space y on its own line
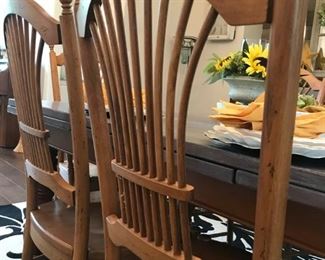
305, 101
321, 15
237, 67
245, 49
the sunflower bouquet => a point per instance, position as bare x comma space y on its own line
251, 61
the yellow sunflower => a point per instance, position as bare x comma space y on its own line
222, 64
256, 60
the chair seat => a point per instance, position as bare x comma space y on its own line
64, 170
52, 226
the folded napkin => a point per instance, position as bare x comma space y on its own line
308, 125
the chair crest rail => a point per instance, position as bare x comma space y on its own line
46, 26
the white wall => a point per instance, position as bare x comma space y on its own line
53, 8
203, 96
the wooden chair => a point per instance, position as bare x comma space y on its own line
149, 212
55, 62
59, 226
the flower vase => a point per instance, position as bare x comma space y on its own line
244, 89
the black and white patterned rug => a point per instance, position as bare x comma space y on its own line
205, 225
208, 226
12, 220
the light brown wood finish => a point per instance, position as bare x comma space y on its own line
148, 183
24, 52
142, 193
60, 230
55, 61
78, 128
244, 12
279, 119
102, 141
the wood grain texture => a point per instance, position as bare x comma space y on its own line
78, 128
244, 12
140, 198
210, 169
27, 29
55, 61
278, 126
100, 133
153, 198
25, 55
47, 26
53, 181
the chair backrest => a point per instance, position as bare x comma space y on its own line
148, 155
27, 29
55, 62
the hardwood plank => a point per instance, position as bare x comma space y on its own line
13, 174
3, 201
12, 158
11, 191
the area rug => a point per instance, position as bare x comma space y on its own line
206, 225
210, 226
12, 220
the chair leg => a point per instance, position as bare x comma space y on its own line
230, 232
112, 252
70, 169
29, 246
60, 156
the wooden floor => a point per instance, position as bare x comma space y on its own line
12, 178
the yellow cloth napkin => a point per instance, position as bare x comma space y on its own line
307, 125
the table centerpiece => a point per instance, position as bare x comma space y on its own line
244, 71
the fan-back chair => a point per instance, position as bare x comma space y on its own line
149, 212
58, 226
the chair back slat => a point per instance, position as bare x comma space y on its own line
186, 91
148, 80
158, 122
136, 80
158, 89
118, 80
101, 39
171, 90
125, 72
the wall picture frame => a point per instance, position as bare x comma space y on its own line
222, 31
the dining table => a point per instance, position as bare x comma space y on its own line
225, 176
9, 132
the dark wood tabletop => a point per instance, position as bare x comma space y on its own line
225, 177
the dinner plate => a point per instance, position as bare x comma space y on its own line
312, 148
